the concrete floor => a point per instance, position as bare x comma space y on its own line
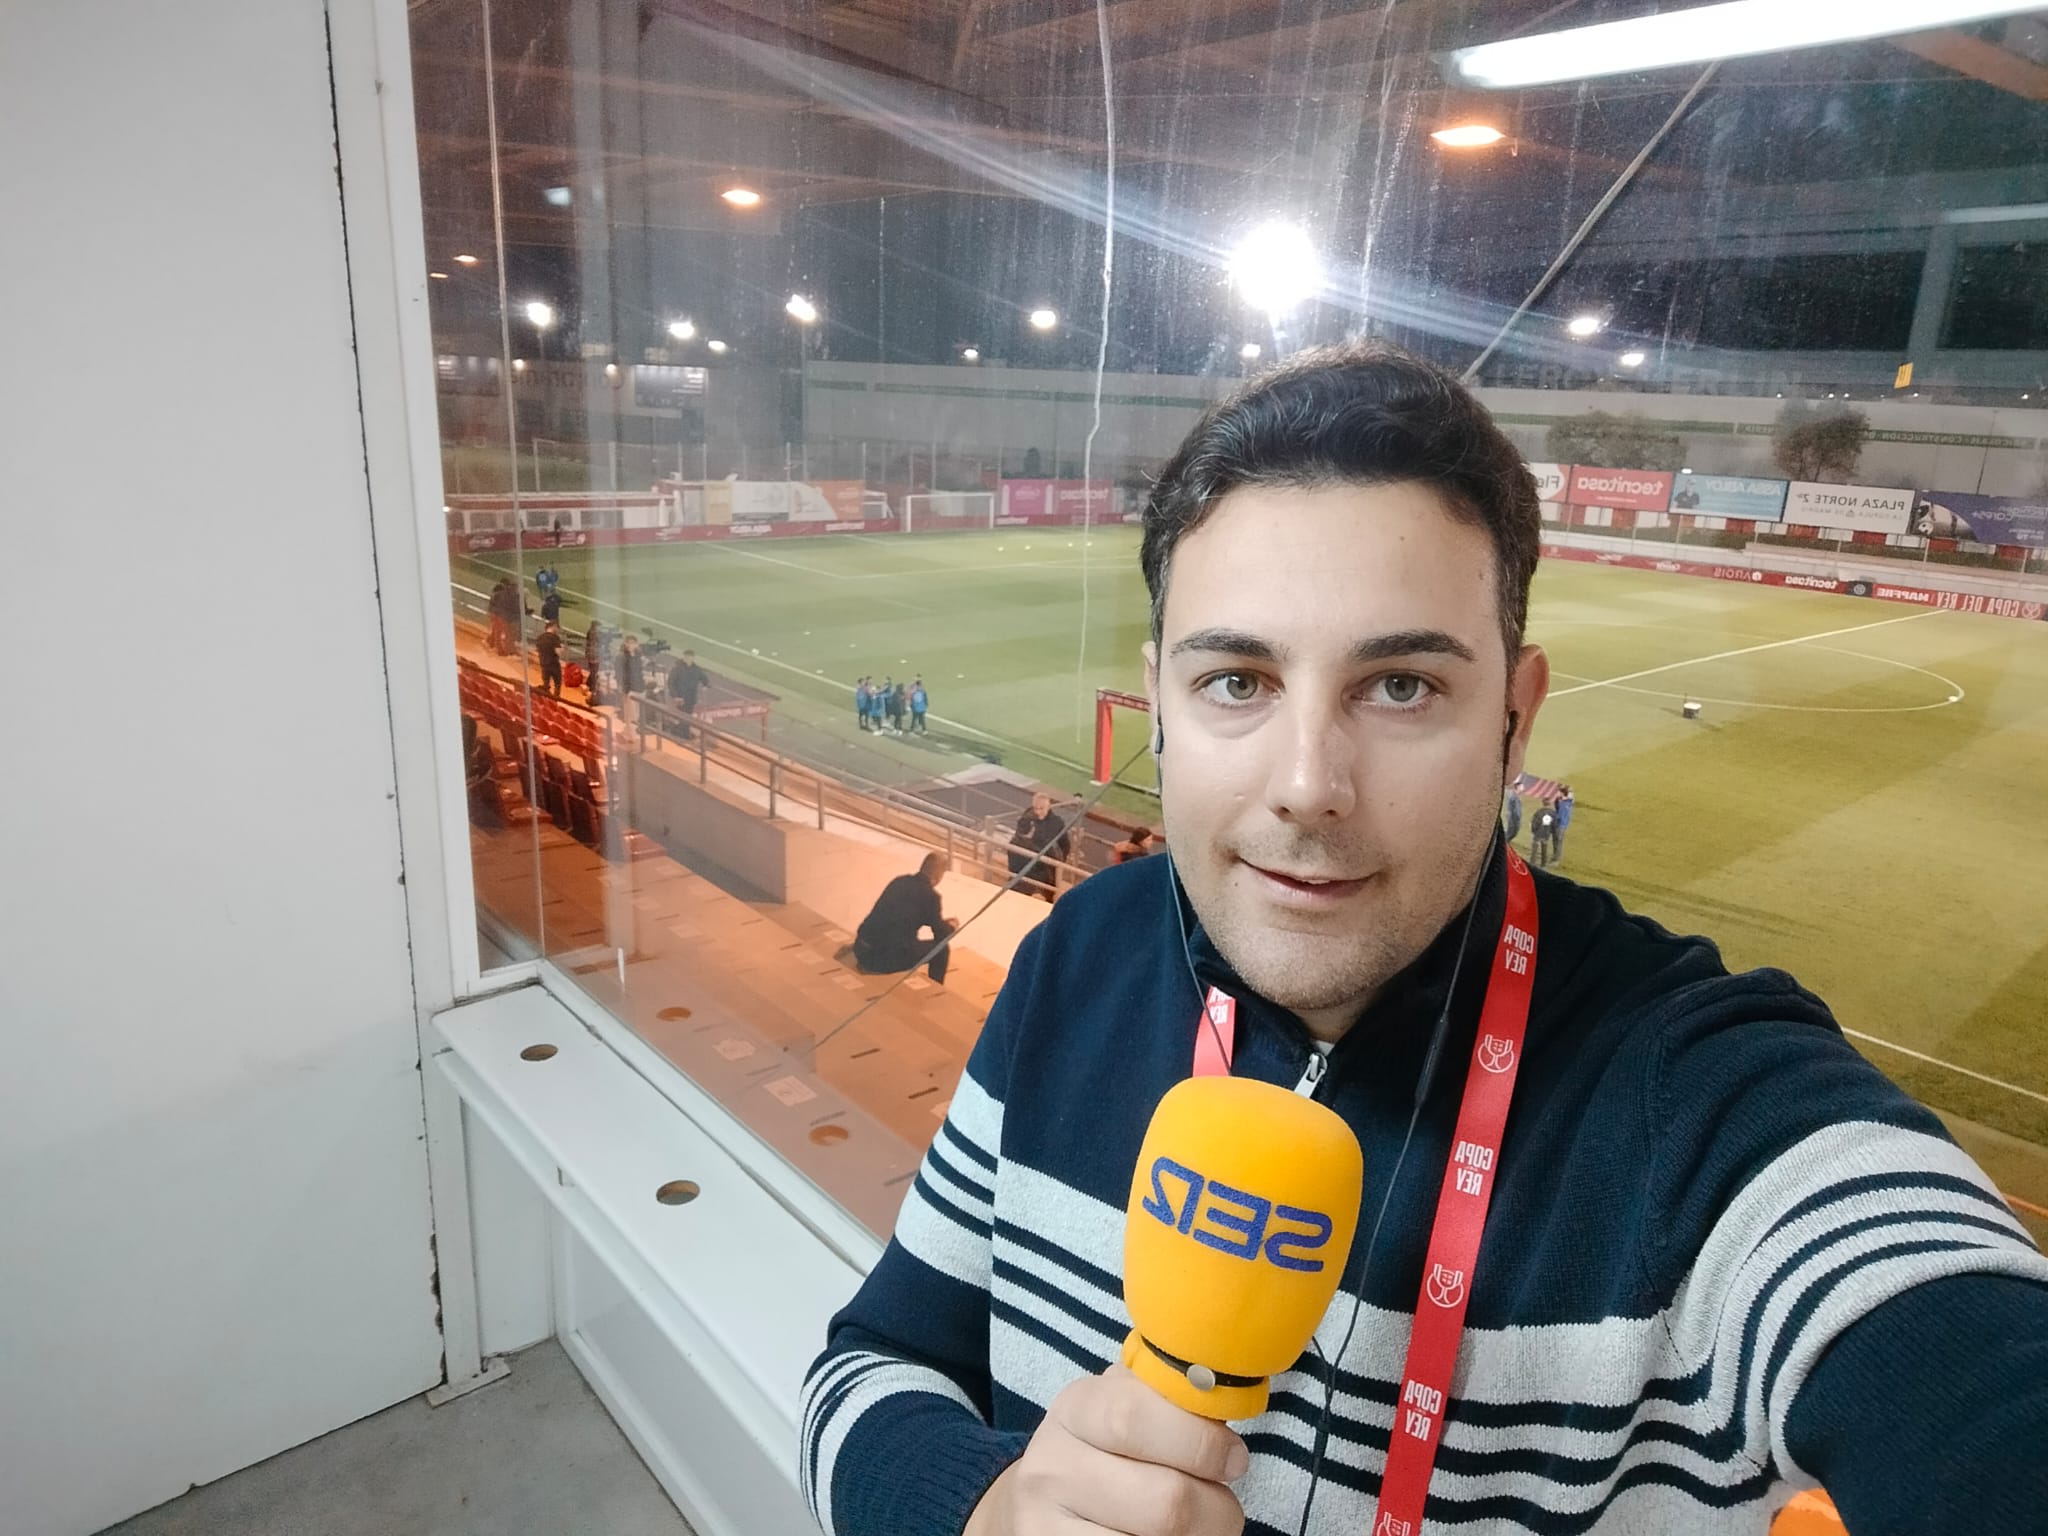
533, 1455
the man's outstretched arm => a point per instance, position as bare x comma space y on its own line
896, 1437
1930, 1414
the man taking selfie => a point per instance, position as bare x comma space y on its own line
1723, 1257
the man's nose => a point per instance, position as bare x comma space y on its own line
1313, 776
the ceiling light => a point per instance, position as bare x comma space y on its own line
1275, 267
682, 330
716, 346
611, 370
1044, 319
559, 197
1732, 30
801, 310
973, 355
1249, 351
1468, 136
519, 365
443, 276
1633, 359
742, 197
540, 314
465, 260
1583, 326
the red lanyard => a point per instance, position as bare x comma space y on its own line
1453, 1252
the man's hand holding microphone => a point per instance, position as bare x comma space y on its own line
1243, 1206
1113, 1455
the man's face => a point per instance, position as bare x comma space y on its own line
1041, 805
1331, 676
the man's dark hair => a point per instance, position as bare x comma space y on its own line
1358, 414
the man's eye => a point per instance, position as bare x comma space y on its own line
1404, 689
1232, 688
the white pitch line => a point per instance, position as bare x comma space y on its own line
918, 571
1936, 1061
755, 554
1954, 697
1747, 650
587, 601
808, 570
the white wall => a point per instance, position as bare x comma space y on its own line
214, 1228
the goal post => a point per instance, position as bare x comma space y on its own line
1107, 702
924, 511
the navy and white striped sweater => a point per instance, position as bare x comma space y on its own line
1725, 1257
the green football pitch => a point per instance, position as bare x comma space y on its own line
1864, 801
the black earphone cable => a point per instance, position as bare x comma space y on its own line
1424, 1081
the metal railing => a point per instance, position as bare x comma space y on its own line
972, 846
976, 844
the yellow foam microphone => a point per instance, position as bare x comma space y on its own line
1243, 1207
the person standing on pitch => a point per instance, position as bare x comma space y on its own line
1655, 1244
1564, 821
1542, 834
920, 701
899, 704
1511, 813
861, 698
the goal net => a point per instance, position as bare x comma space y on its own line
926, 511
1123, 726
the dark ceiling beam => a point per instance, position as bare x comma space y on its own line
1248, 49
963, 39
878, 47
1005, 128
822, 152
1968, 54
1066, 25
562, 74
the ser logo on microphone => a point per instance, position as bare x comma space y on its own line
1234, 1221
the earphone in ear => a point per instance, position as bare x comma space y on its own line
1158, 735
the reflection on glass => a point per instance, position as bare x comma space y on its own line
790, 471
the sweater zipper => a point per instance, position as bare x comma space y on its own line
1312, 1073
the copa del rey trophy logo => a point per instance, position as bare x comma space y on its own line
1389, 1526
1496, 1054
1445, 1287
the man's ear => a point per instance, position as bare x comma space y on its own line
1528, 686
1150, 651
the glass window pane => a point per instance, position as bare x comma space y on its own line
795, 357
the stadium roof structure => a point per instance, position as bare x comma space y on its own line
826, 108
